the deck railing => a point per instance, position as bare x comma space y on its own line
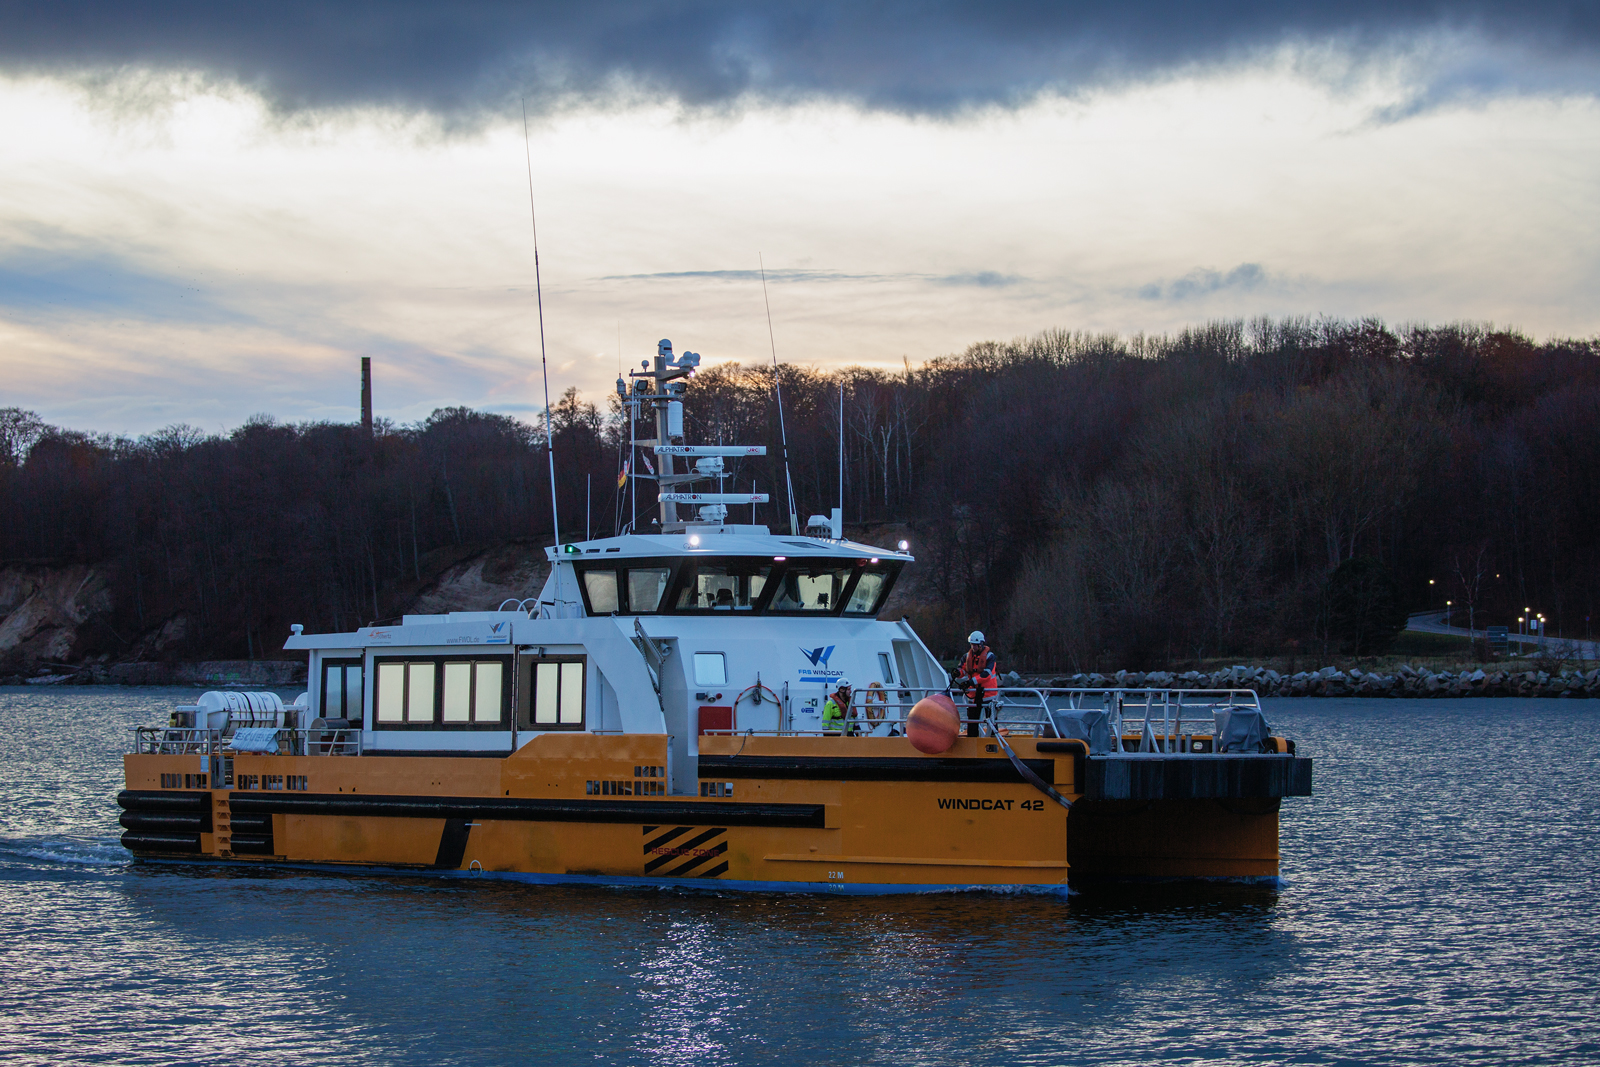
184, 741
1137, 720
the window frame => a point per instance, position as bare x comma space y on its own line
722, 659
689, 569
528, 694
681, 571
342, 663
439, 660
621, 567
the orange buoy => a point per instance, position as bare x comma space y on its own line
933, 724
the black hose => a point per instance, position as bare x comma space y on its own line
1027, 772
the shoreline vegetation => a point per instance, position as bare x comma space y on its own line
1239, 492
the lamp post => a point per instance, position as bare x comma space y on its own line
1447, 614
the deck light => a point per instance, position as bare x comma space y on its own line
874, 559
779, 559
905, 546
694, 539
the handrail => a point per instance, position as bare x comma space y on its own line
292, 741
1145, 719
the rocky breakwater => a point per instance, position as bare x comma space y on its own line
1405, 681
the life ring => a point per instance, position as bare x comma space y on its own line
875, 702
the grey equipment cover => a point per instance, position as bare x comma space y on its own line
1241, 730
1089, 725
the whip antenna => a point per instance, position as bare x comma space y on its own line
544, 363
777, 381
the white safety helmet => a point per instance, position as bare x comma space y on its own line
975, 637
842, 683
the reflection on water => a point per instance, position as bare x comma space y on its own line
1439, 907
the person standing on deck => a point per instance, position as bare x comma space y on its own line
836, 709
979, 676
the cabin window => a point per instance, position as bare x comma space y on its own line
447, 692
341, 689
810, 587
723, 585
645, 588
555, 693
884, 668
406, 691
710, 668
473, 691
601, 587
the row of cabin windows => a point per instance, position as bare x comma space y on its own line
736, 585
419, 691
456, 692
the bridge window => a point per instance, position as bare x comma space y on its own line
646, 585
723, 585
601, 587
810, 587
868, 592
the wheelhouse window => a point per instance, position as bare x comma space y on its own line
601, 589
871, 589
646, 587
441, 692
810, 587
553, 693
341, 689
617, 588
723, 585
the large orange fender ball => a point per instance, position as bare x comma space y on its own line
933, 724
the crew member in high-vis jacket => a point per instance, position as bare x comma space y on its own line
836, 709
979, 677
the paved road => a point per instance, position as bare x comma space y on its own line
1433, 622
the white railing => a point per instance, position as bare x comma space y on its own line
1137, 720
185, 741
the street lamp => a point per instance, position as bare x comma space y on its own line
1447, 614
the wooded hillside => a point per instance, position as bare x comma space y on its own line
1092, 502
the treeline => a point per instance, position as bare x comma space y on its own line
1242, 488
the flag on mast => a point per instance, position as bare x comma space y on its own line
622, 475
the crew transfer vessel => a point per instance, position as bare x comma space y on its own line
653, 717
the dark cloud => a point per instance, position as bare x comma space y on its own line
916, 57
1203, 281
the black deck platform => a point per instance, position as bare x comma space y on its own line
1156, 777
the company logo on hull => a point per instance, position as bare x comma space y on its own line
818, 672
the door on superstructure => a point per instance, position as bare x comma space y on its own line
342, 685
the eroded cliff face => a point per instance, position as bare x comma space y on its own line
56, 621
481, 581
43, 608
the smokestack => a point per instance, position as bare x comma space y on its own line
366, 395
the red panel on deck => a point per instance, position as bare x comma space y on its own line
715, 718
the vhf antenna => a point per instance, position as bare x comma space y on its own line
777, 380
544, 363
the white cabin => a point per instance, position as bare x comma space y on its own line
720, 628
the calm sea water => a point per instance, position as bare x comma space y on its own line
1441, 905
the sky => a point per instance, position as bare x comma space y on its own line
211, 211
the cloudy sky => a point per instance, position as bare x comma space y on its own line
210, 210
